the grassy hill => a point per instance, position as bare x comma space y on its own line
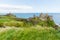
32, 33
35, 28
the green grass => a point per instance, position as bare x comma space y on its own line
32, 33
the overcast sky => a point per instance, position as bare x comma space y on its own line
29, 6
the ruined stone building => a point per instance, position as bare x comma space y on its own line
44, 17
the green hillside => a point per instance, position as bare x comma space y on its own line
40, 27
12, 20
32, 33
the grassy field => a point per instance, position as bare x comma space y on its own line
32, 33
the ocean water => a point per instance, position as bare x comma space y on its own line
56, 16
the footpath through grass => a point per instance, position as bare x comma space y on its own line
33, 33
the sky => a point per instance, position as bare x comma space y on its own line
30, 6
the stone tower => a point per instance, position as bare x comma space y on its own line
46, 15
42, 16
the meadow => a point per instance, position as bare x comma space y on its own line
31, 33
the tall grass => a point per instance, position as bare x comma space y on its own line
30, 34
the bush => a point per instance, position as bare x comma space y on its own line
13, 23
1, 25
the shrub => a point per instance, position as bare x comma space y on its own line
1, 25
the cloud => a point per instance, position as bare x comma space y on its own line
5, 8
